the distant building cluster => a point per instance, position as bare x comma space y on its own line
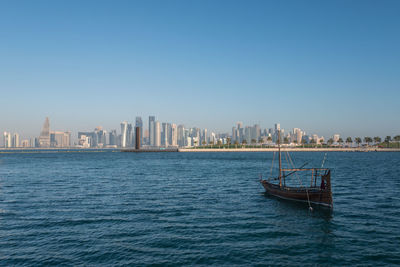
169, 135
158, 134
47, 139
254, 134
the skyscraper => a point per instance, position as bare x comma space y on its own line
152, 120
44, 138
100, 136
15, 140
204, 138
139, 123
112, 139
7, 140
157, 134
164, 135
174, 135
276, 130
60, 139
130, 136
181, 135
124, 133
247, 134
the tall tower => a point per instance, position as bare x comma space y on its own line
44, 138
152, 120
15, 140
138, 138
112, 140
157, 134
174, 135
130, 136
7, 140
124, 133
164, 135
139, 123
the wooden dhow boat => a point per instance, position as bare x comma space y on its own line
319, 192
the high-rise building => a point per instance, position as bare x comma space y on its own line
204, 138
247, 134
213, 139
164, 134
7, 140
174, 135
276, 131
100, 136
15, 140
297, 135
235, 134
138, 138
130, 136
84, 141
152, 120
60, 139
256, 132
157, 134
112, 138
124, 133
90, 137
139, 123
44, 138
181, 135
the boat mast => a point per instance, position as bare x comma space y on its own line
280, 161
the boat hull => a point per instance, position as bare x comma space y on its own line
311, 194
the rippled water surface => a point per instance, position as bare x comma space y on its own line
114, 208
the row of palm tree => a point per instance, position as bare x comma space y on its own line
368, 140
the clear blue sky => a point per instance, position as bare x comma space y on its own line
323, 66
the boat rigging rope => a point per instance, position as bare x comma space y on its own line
308, 197
323, 162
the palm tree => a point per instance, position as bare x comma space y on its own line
387, 140
340, 141
349, 140
244, 142
330, 141
204, 142
397, 139
285, 140
236, 143
303, 141
377, 139
313, 142
219, 143
269, 138
210, 143
358, 141
228, 141
367, 140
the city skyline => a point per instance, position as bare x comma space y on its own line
324, 66
167, 134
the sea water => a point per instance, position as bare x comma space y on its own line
112, 208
